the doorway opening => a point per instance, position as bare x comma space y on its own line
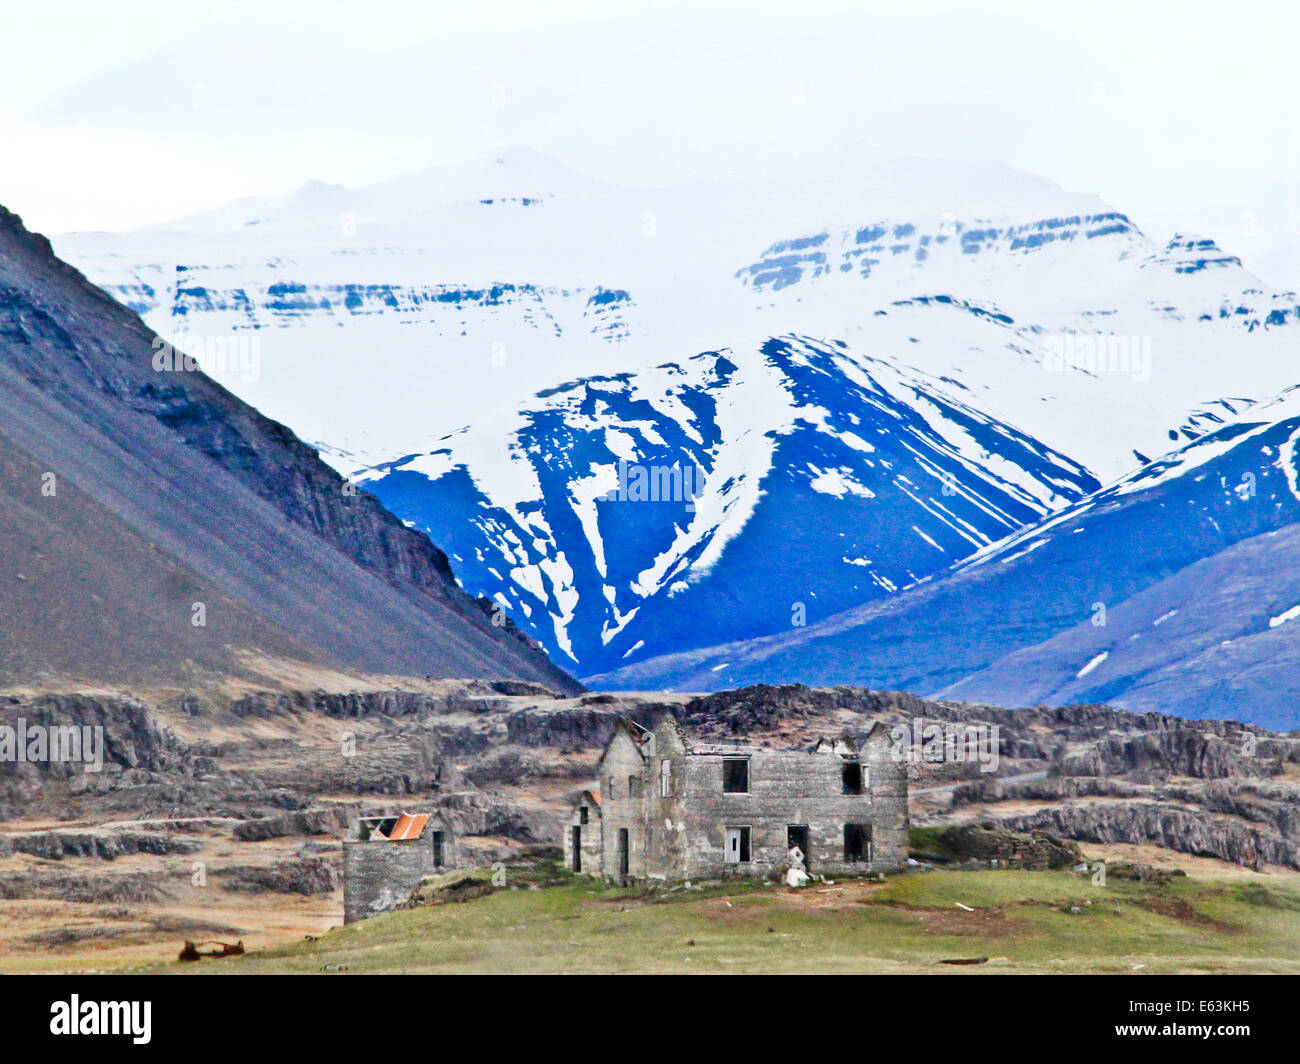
857, 842
796, 837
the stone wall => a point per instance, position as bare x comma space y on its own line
621, 809
666, 840
889, 801
377, 875
590, 837
677, 822
791, 788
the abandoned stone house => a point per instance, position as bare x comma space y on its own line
385, 857
669, 808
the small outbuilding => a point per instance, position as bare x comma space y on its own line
385, 857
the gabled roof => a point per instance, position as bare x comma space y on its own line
844, 745
408, 826
635, 734
672, 731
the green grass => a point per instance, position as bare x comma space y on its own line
908, 924
925, 841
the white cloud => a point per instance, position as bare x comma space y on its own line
1183, 122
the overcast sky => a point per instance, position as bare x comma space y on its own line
1180, 114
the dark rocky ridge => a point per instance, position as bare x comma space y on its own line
171, 490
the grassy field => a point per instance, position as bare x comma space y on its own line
1021, 921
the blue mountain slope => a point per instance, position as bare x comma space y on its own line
780, 486
1174, 589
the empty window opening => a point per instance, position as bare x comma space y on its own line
737, 846
584, 815
852, 777
857, 842
577, 849
377, 827
634, 786
735, 775
382, 826
439, 852
624, 856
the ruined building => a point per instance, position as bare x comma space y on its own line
670, 808
385, 857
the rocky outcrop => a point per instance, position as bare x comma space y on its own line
132, 737
476, 813
1174, 748
587, 725
989, 842
131, 888
470, 698
1136, 872
511, 765
332, 821
56, 845
125, 737
1187, 830
987, 789
307, 875
762, 707
436, 891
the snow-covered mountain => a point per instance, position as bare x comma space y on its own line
744, 490
904, 360
385, 316
1175, 589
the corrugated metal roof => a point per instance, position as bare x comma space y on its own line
408, 826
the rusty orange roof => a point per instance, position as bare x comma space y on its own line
408, 826
595, 796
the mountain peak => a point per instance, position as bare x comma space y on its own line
1192, 253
